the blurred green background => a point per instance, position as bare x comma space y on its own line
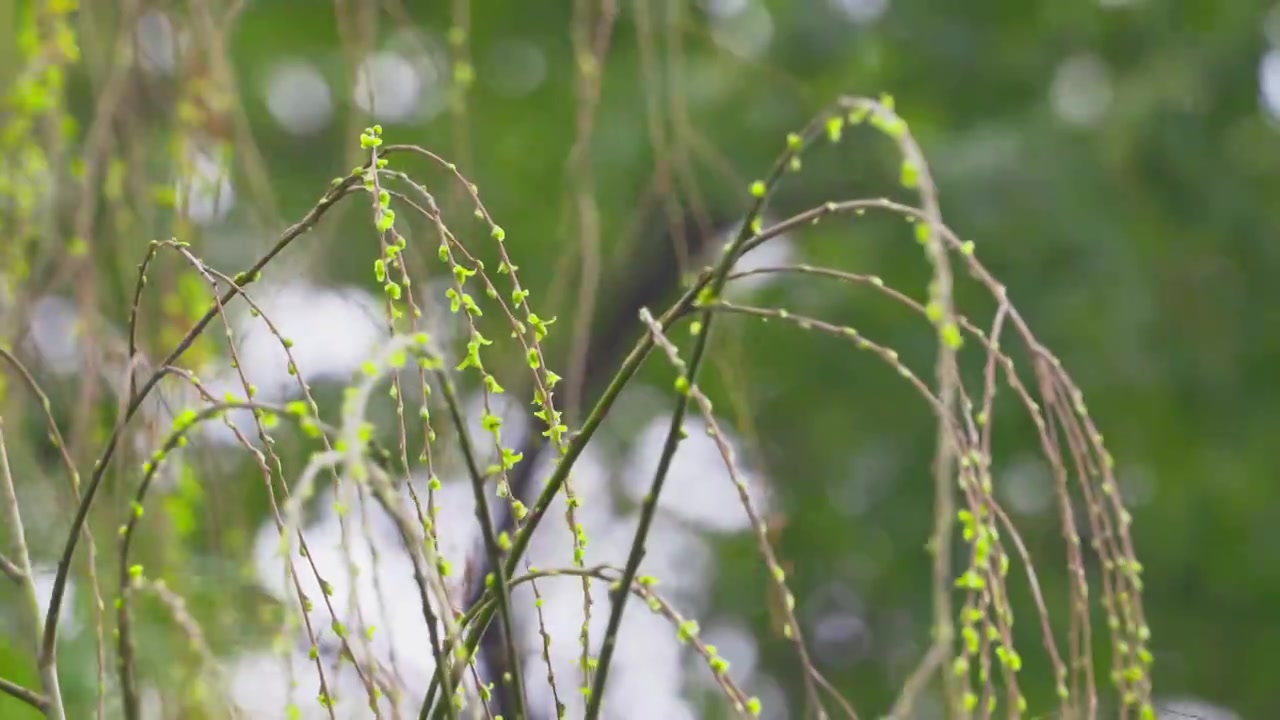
1116, 162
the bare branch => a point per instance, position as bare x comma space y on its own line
51, 705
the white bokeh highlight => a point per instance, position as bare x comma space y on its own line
333, 331
298, 97
55, 330
742, 27
387, 86
1189, 708
1269, 83
158, 43
69, 623
515, 68
860, 12
720, 9
396, 86
778, 251
206, 192
1026, 484
1081, 91
379, 594
699, 489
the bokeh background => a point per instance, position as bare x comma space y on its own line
1116, 162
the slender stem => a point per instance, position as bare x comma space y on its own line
674, 434
676, 431
25, 694
484, 611
576, 446
649, 509
10, 569
46, 662
628, 369
501, 588
50, 634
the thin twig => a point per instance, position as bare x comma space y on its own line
712, 289
50, 633
25, 694
785, 599
11, 570
630, 365
47, 663
501, 586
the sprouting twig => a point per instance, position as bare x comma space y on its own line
785, 599
49, 635
500, 582
709, 291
